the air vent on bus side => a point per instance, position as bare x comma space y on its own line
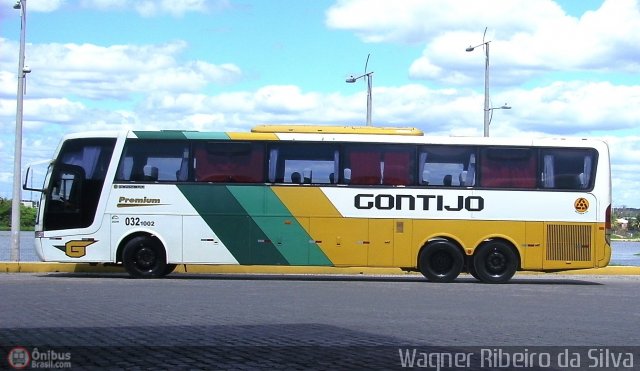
568, 242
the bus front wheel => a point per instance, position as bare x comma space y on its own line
441, 261
495, 262
144, 257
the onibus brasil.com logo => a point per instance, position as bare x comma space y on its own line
21, 358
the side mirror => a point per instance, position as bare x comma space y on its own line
26, 179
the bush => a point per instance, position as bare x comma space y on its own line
27, 215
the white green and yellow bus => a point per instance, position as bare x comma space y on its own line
327, 196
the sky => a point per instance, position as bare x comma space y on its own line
567, 68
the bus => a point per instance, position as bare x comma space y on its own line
339, 196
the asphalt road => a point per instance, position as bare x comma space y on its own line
313, 322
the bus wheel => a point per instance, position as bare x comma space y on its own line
441, 261
495, 262
144, 257
169, 269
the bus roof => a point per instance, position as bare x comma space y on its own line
327, 129
346, 133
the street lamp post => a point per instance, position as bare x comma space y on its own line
504, 106
487, 109
22, 74
369, 77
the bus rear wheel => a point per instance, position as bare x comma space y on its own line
144, 257
495, 262
441, 261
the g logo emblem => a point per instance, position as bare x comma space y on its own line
581, 205
75, 248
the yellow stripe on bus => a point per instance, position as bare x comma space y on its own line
252, 136
306, 201
326, 129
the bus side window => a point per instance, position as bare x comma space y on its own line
463, 178
150, 173
398, 167
425, 177
508, 167
567, 168
303, 163
347, 176
448, 166
365, 167
182, 174
447, 180
296, 178
386, 164
230, 162
146, 160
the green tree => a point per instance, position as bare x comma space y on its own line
5, 213
27, 215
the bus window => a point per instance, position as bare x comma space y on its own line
147, 161
303, 163
381, 164
567, 168
447, 166
505, 167
235, 162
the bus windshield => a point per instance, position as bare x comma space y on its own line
77, 177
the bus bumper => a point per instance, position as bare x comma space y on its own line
607, 257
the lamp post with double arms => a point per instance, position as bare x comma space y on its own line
488, 110
369, 77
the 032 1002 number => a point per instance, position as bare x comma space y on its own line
135, 221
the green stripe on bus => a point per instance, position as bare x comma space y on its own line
280, 227
169, 134
179, 134
206, 135
239, 232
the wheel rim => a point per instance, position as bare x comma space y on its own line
145, 258
496, 262
441, 263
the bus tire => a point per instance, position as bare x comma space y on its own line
441, 261
495, 262
169, 269
144, 257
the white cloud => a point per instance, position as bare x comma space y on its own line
153, 8
565, 108
525, 40
117, 71
144, 8
284, 99
44, 6
625, 152
418, 21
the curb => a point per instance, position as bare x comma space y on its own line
41, 267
